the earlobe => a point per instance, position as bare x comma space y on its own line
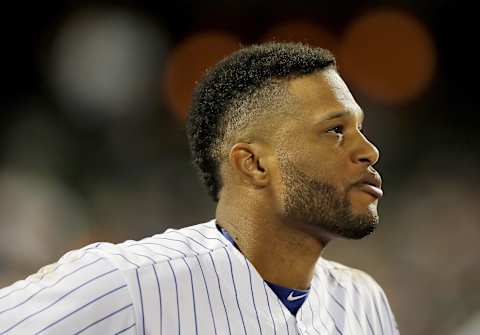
246, 160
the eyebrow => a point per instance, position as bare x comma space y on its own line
339, 114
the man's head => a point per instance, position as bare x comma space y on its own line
276, 121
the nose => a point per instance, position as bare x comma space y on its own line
365, 151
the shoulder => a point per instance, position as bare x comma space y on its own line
346, 275
125, 258
70, 294
157, 249
362, 287
99, 279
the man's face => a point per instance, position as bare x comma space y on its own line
325, 176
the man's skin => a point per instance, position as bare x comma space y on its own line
251, 205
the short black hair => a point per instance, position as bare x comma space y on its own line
236, 78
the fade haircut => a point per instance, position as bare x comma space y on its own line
237, 93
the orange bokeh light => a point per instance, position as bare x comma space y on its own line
188, 62
302, 31
388, 55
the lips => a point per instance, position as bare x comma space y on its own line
370, 189
371, 184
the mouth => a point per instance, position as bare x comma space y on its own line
373, 190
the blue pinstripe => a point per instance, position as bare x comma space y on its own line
147, 257
159, 297
41, 277
190, 238
283, 313
253, 296
300, 311
193, 296
176, 292
221, 294
182, 245
125, 258
208, 295
341, 306
149, 250
269, 309
174, 240
56, 301
58, 281
79, 308
163, 246
384, 303
379, 319
366, 315
328, 312
319, 316
313, 319
208, 238
235, 289
125, 329
104, 318
338, 303
141, 301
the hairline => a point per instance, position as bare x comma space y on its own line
268, 112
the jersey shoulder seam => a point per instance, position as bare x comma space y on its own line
148, 263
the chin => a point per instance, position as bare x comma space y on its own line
360, 225
365, 208
354, 227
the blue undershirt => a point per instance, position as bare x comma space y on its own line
292, 298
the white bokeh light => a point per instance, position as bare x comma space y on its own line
105, 63
44, 213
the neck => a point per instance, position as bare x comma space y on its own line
281, 252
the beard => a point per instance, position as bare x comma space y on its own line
320, 206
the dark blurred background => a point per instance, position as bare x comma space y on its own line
93, 147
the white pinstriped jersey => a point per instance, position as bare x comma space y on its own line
187, 281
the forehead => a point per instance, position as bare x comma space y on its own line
321, 93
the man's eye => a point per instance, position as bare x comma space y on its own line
336, 129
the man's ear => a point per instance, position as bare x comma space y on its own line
249, 162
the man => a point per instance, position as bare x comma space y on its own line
278, 140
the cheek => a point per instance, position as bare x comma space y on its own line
321, 168
276, 188
335, 175
327, 163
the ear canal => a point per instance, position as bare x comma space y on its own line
259, 166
